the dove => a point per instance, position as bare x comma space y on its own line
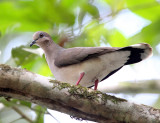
88, 66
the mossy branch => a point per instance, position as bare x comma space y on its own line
76, 101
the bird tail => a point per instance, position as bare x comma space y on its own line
138, 53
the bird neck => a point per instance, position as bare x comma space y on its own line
51, 49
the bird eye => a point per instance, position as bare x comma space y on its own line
41, 35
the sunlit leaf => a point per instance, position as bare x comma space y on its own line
116, 5
150, 34
117, 39
148, 9
37, 51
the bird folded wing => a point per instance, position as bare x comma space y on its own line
78, 54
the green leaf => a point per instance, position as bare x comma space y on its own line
40, 111
30, 61
116, 5
117, 39
92, 10
149, 34
22, 57
25, 103
5, 102
148, 9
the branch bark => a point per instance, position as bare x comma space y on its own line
74, 100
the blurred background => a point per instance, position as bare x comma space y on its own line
81, 23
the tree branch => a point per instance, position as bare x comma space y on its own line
74, 100
147, 86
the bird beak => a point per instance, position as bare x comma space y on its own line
33, 42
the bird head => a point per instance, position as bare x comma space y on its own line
40, 38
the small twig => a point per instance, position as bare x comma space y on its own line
16, 120
47, 112
22, 114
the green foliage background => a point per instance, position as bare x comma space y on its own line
66, 21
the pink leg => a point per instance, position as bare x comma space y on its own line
96, 84
81, 76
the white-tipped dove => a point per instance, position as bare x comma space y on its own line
88, 65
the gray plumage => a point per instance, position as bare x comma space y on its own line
97, 63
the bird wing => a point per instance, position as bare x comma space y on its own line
78, 54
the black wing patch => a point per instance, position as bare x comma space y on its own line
135, 55
111, 73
